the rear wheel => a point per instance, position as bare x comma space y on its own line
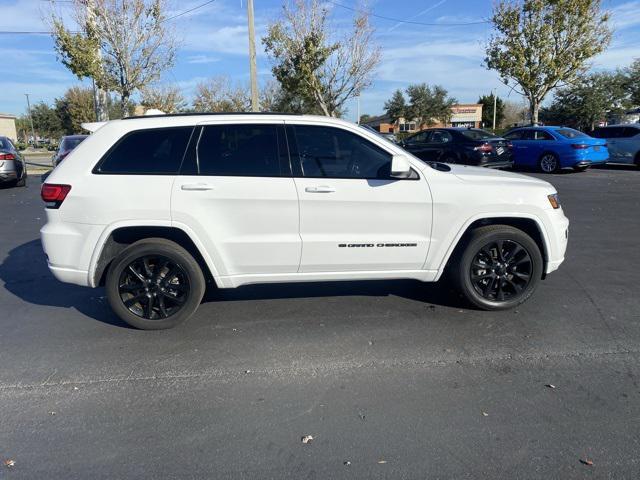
549, 163
499, 268
23, 181
154, 284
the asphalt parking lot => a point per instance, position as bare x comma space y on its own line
392, 379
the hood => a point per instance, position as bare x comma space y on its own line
497, 177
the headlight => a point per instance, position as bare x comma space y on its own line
554, 200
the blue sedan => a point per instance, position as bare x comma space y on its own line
551, 148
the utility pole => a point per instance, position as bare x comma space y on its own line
99, 95
33, 132
255, 106
495, 102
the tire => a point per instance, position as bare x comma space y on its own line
497, 282
154, 302
23, 181
449, 158
549, 163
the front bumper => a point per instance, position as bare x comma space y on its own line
557, 226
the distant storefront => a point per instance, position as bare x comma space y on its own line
8, 126
463, 115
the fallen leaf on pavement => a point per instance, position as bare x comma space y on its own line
485, 414
382, 461
586, 461
307, 439
9, 463
548, 385
347, 463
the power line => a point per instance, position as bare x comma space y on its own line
399, 20
25, 32
190, 10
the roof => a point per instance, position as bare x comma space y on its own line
195, 114
7, 115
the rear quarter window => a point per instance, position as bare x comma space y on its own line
147, 152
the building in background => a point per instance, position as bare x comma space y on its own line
8, 126
462, 115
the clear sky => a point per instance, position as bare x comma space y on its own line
214, 42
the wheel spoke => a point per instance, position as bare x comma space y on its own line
173, 298
161, 307
133, 300
148, 311
129, 287
147, 268
136, 273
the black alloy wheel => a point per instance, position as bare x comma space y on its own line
154, 287
501, 270
154, 284
497, 267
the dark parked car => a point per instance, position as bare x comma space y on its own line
67, 144
468, 146
12, 167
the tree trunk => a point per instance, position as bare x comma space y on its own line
534, 109
124, 101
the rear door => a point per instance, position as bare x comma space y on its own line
236, 193
628, 144
353, 215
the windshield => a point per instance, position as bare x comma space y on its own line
478, 134
71, 143
571, 133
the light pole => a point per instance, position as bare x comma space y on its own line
495, 102
255, 107
33, 132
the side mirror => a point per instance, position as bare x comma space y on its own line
400, 167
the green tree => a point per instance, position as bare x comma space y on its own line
487, 110
122, 46
396, 106
74, 108
46, 122
316, 70
539, 45
588, 100
428, 105
632, 82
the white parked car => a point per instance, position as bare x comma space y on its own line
154, 207
623, 142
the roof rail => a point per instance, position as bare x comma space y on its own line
193, 114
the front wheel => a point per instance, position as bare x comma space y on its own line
549, 163
154, 284
499, 268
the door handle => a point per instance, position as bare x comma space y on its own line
198, 187
322, 189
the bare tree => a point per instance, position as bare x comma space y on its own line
321, 70
219, 94
166, 98
132, 38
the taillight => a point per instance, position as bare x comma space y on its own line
53, 194
7, 156
579, 146
484, 148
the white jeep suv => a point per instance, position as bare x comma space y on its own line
155, 207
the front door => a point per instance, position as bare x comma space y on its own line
353, 215
236, 192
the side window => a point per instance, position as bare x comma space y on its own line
614, 132
537, 135
240, 150
441, 137
327, 152
419, 137
517, 135
629, 132
152, 152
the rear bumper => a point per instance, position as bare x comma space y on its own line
8, 176
70, 275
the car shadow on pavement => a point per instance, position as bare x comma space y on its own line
25, 274
440, 293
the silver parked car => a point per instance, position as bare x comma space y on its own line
12, 167
623, 142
